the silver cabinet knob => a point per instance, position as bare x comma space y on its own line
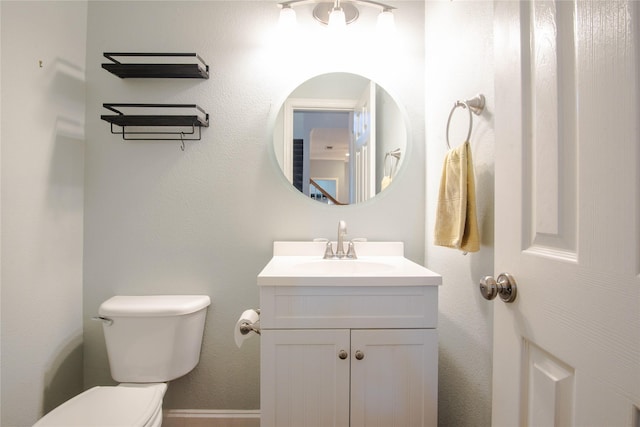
359, 355
505, 286
342, 354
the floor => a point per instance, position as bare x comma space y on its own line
207, 418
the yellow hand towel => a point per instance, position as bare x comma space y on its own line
456, 223
386, 180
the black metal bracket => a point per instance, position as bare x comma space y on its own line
197, 70
146, 125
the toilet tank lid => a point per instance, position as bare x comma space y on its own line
153, 305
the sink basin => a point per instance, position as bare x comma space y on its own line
378, 263
334, 267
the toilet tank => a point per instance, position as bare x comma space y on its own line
153, 338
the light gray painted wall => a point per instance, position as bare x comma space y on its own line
459, 55
158, 220
42, 174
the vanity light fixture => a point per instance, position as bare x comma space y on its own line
386, 22
337, 14
337, 17
287, 17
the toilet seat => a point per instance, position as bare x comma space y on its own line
131, 405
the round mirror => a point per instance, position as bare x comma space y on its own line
340, 138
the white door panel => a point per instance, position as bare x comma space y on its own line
567, 351
363, 177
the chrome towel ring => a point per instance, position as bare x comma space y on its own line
474, 105
393, 154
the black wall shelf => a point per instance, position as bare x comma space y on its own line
195, 70
137, 123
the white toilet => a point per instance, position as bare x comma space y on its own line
150, 340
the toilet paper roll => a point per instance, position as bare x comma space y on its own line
249, 316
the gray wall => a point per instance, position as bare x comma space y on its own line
459, 52
42, 205
159, 220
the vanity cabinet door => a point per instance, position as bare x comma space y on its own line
305, 378
394, 377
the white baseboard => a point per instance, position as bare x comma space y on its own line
210, 418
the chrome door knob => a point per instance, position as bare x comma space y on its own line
342, 354
359, 355
505, 286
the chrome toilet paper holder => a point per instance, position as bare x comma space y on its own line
247, 327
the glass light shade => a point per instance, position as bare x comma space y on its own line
337, 18
287, 18
386, 22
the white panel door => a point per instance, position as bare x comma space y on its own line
394, 378
363, 148
567, 351
304, 381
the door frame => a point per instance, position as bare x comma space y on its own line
308, 104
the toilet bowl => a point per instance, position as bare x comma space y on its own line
150, 340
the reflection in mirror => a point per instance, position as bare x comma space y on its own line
340, 138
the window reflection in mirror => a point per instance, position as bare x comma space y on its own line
340, 138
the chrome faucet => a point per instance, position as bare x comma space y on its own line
342, 230
339, 254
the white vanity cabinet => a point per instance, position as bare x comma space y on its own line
305, 381
348, 343
349, 356
395, 383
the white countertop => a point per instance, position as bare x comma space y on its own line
378, 264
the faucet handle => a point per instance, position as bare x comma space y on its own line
328, 252
351, 251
